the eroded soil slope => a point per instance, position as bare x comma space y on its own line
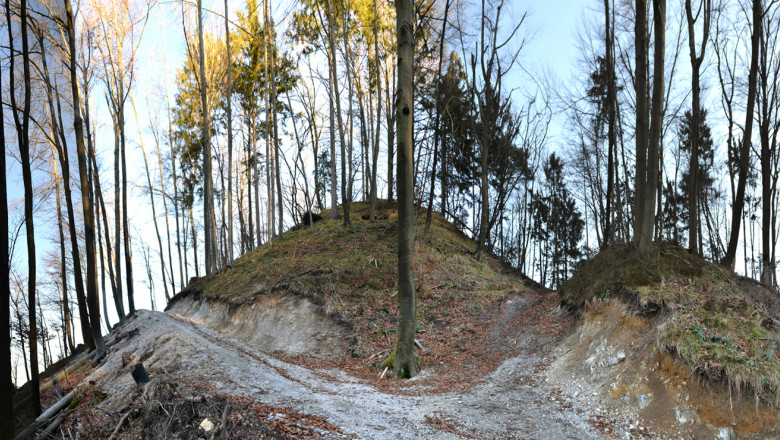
191, 362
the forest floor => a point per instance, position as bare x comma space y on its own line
197, 373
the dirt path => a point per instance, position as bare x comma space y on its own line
510, 402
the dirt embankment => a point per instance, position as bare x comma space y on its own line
279, 322
611, 364
198, 373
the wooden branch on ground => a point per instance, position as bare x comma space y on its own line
49, 431
376, 354
30, 430
119, 425
221, 427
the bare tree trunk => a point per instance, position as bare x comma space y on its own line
642, 116
391, 120
334, 211
119, 299
269, 151
23, 130
277, 150
179, 246
253, 182
405, 363
154, 210
332, 46
63, 261
437, 119
125, 222
194, 244
612, 119
375, 151
99, 244
648, 221
209, 232
87, 202
59, 141
99, 204
7, 417
693, 178
744, 157
115, 281
167, 223
229, 138
346, 145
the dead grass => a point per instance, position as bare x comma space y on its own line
723, 326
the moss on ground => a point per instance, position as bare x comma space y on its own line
725, 327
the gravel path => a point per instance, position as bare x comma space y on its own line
511, 402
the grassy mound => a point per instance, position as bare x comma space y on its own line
724, 326
352, 273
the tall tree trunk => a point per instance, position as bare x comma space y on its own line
154, 209
334, 210
744, 156
167, 223
253, 182
63, 261
405, 363
229, 137
642, 116
651, 184
391, 120
611, 117
182, 259
59, 141
346, 146
437, 119
277, 150
125, 221
332, 46
86, 199
693, 178
7, 417
209, 232
119, 298
23, 130
102, 268
375, 151
100, 206
115, 281
269, 151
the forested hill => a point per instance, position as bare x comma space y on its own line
146, 143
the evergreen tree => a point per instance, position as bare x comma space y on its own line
558, 224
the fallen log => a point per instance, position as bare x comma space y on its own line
49, 431
30, 430
78, 363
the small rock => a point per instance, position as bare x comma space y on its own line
206, 425
619, 357
727, 434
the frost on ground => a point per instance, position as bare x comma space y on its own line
510, 402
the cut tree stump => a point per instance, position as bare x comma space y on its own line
140, 376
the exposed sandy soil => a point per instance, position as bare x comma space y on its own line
526, 371
186, 360
611, 364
